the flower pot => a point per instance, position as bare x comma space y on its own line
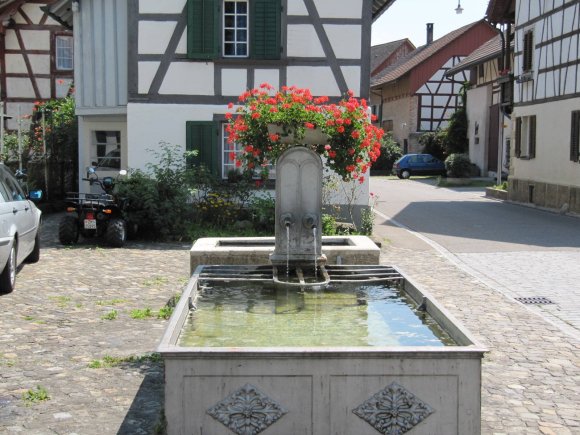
312, 136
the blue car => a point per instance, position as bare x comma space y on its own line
418, 164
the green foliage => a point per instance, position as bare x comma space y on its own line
502, 186
367, 221
433, 143
115, 361
141, 313
262, 210
39, 394
456, 141
328, 225
458, 165
390, 153
111, 315
158, 202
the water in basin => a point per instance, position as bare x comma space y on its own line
238, 314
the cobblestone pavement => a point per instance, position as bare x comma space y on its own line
54, 328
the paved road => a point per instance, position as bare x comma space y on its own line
519, 251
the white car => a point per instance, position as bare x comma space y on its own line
19, 228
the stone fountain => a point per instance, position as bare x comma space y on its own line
302, 346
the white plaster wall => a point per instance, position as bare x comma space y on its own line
10, 41
149, 124
271, 76
552, 163
302, 41
62, 86
297, 7
189, 78
154, 36
161, 7
36, 39
146, 74
234, 82
12, 110
20, 86
339, 8
44, 88
40, 63
352, 78
15, 63
182, 45
33, 12
319, 79
478, 102
344, 47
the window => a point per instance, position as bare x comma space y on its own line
525, 146
234, 28
575, 137
229, 150
528, 53
235, 25
64, 52
106, 150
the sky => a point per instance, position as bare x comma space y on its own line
408, 19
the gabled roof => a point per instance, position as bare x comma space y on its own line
419, 55
490, 50
380, 53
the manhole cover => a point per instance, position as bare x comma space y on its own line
534, 300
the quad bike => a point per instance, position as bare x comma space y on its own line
94, 214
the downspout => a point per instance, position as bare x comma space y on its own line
380, 115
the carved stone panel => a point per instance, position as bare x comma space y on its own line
393, 410
247, 411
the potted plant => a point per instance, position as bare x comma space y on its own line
267, 122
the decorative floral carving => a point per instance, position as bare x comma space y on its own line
247, 411
393, 410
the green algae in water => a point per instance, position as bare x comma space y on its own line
233, 314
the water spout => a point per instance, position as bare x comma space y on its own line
288, 250
315, 251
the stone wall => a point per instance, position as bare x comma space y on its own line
547, 195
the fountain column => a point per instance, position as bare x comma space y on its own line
298, 209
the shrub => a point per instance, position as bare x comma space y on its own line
328, 225
158, 202
458, 165
432, 143
262, 210
455, 140
390, 153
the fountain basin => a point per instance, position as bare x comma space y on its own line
322, 389
257, 250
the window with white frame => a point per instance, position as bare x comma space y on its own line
230, 152
525, 147
235, 28
106, 149
64, 52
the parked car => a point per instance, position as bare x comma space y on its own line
19, 228
418, 164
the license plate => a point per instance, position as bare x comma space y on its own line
90, 224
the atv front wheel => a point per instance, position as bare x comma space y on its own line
68, 230
116, 233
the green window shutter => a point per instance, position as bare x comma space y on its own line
265, 22
202, 29
518, 146
532, 136
575, 136
202, 137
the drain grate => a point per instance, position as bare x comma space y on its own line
535, 300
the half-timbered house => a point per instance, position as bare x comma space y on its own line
415, 95
489, 126
36, 57
152, 71
545, 164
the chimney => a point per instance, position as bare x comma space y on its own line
429, 33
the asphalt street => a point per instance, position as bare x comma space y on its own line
519, 251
